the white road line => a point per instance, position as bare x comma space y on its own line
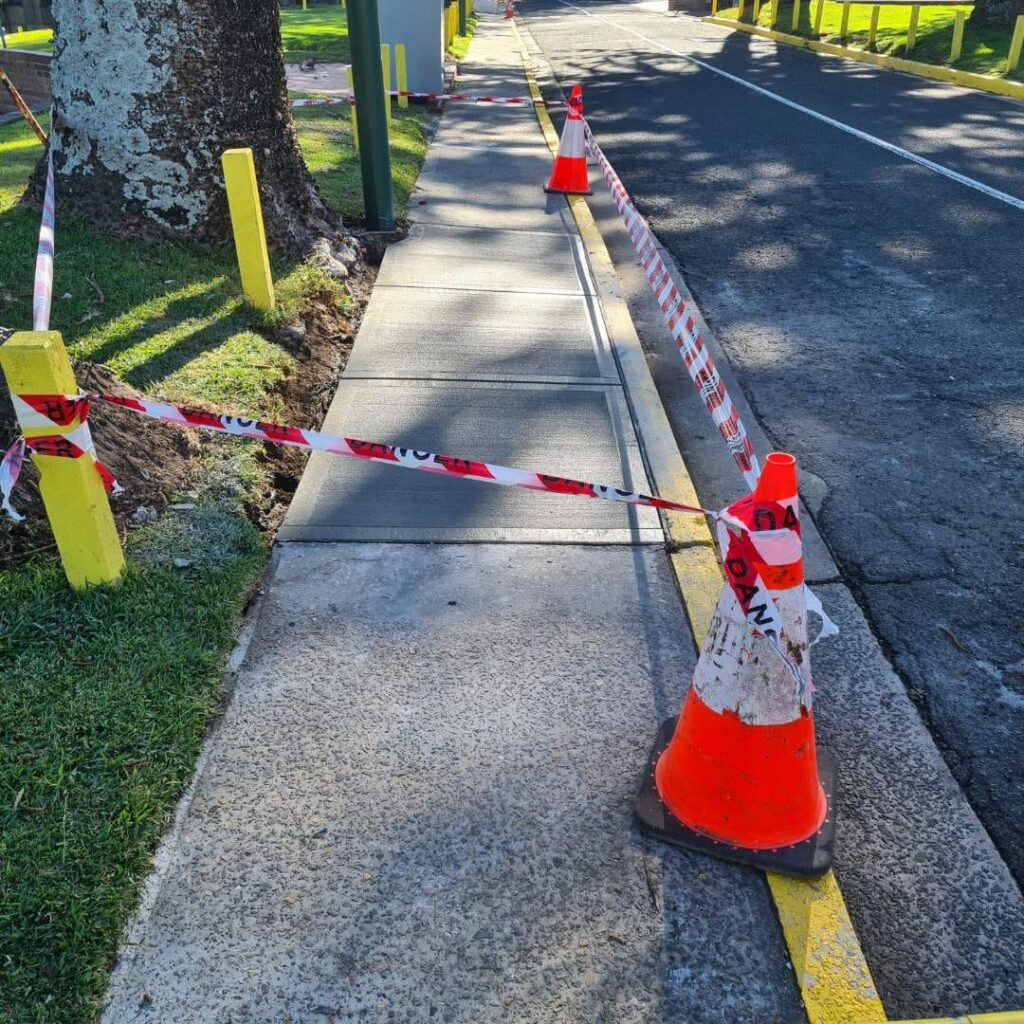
906, 154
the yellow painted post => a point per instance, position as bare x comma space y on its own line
36, 363
915, 13
817, 17
304, 7
401, 75
775, 13
873, 26
352, 112
714, 8
739, 10
794, 23
247, 225
756, 12
844, 23
385, 66
958, 37
1016, 45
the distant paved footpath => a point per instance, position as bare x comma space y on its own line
872, 312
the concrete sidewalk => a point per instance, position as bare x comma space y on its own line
418, 805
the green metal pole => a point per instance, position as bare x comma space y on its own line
368, 84
463, 29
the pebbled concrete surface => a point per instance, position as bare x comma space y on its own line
446, 833
868, 309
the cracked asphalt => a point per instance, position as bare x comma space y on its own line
871, 311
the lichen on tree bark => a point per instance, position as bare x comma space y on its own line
149, 93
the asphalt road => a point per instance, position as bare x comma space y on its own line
871, 310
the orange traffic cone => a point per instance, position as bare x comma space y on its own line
737, 774
569, 175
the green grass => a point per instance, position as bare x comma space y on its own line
105, 697
460, 44
38, 40
321, 32
104, 705
327, 145
984, 48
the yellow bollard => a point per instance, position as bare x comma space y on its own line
739, 10
36, 363
915, 13
817, 17
304, 7
756, 13
958, 36
247, 225
385, 66
794, 22
714, 8
401, 76
844, 23
352, 112
775, 14
1016, 44
873, 26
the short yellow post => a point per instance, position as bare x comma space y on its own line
817, 17
385, 66
739, 10
401, 75
775, 14
714, 8
1016, 45
958, 36
915, 13
873, 26
352, 111
304, 7
794, 23
247, 225
36, 363
755, 14
844, 23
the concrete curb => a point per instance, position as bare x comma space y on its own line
967, 79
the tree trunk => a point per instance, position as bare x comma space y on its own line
1000, 13
149, 93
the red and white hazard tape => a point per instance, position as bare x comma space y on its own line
42, 292
57, 410
446, 97
681, 323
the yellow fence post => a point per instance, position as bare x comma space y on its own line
775, 14
756, 11
304, 6
385, 66
352, 111
817, 17
915, 13
401, 75
1016, 45
958, 36
873, 26
794, 23
36, 363
844, 23
739, 10
247, 225
714, 8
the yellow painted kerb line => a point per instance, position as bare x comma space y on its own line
967, 79
830, 968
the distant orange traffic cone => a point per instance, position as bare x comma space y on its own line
569, 175
737, 774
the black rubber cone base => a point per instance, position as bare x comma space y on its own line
808, 859
566, 192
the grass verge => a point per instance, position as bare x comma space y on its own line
985, 49
320, 33
106, 696
460, 44
39, 40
